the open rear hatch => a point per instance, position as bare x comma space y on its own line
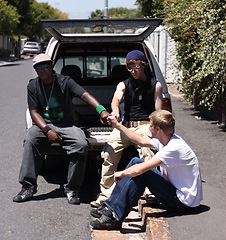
56, 27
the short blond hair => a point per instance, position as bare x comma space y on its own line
164, 120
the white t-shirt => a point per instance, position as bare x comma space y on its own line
182, 168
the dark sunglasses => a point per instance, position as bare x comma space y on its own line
43, 67
135, 68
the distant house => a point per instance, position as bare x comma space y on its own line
164, 48
4, 42
7, 43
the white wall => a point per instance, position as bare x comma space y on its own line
164, 48
3, 42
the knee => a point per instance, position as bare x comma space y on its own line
83, 147
135, 160
30, 140
32, 136
84, 144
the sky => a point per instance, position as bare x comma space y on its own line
83, 8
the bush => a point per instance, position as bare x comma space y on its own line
198, 27
4, 53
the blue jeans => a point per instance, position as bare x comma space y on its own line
128, 191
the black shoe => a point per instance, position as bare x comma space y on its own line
97, 212
106, 223
24, 195
72, 197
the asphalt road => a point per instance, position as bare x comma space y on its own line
49, 216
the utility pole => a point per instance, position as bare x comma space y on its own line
106, 14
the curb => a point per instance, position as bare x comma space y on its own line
156, 226
132, 229
9, 61
143, 222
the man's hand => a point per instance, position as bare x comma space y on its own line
115, 113
118, 176
103, 117
53, 137
112, 120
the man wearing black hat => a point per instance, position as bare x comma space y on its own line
50, 104
142, 95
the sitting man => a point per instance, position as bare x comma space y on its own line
142, 95
178, 185
50, 103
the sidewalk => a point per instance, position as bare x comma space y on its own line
173, 89
8, 60
11, 60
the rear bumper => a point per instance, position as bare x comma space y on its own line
30, 51
97, 141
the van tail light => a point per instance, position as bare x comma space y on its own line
167, 104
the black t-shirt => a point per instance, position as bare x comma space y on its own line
54, 101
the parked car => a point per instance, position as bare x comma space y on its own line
31, 47
96, 61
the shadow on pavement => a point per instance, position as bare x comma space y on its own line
55, 170
57, 193
168, 214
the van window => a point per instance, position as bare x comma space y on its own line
95, 69
69, 60
96, 66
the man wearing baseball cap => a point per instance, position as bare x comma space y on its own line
54, 121
142, 95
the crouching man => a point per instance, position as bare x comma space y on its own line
177, 185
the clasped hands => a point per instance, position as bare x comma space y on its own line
112, 120
107, 118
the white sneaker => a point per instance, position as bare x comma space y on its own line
97, 203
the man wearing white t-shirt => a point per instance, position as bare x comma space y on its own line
177, 185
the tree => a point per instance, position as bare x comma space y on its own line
198, 27
29, 13
116, 13
151, 8
23, 9
34, 30
9, 18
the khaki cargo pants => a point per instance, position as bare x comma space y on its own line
112, 153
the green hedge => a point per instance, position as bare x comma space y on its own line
198, 27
